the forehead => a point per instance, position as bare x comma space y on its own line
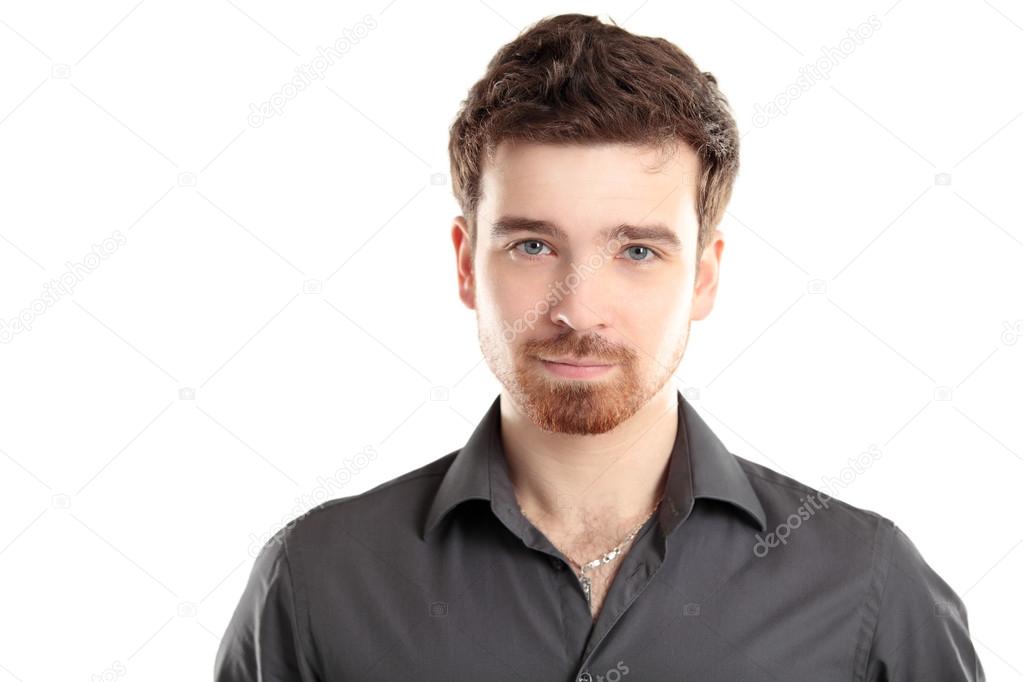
590, 183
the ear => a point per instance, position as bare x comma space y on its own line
706, 285
464, 262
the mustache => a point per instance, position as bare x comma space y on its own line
592, 346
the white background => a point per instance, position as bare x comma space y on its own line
298, 278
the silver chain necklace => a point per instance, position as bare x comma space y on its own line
607, 557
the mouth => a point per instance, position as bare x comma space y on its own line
573, 362
572, 368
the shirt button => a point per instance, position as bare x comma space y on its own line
584, 677
556, 563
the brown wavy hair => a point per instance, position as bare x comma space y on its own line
574, 79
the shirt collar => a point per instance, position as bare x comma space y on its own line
699, 467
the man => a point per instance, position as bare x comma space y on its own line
593, 527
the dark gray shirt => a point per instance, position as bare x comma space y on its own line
742, 574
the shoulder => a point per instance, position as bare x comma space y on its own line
919, 622
833, 547
790, 504
387, 507
911, 618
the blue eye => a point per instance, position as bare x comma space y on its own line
640, 246
530, 241
537, 244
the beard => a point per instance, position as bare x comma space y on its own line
577, 406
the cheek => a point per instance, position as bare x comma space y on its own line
662, 304
659, 323
503, 299
513, 292
507, 310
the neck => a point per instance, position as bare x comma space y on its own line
570, 480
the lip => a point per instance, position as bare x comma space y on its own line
570, 371
575, 363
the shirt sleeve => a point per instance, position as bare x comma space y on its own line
921, 632
263, 641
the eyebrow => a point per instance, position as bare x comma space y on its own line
509, 225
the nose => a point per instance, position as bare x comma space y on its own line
584, 306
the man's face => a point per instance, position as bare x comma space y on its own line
574, 294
